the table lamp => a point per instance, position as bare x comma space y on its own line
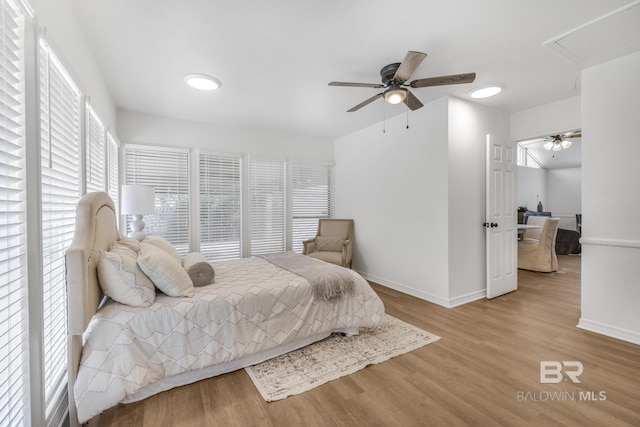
138, 200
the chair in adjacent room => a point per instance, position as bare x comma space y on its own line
540, 254
333, 242
534, 233
527, 215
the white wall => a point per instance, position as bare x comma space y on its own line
417, 197
559, 190
556, 117
564, 195
58, 23
532, 184
141, 128
394, 185
469, 123
610, 198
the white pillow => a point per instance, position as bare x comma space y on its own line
164, 271
122, 280
132, 244
165, 245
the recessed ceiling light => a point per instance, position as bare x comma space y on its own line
202, 81
485, 92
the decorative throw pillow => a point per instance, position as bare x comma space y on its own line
330, 244
165, 245
164, 271
132, 244
199, 269
122, 280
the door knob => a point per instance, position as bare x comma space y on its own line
493, 224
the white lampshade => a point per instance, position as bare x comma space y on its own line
565, 143
138, 199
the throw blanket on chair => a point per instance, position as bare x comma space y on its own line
328, 281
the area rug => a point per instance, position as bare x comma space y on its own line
334, 357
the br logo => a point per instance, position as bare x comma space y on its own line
551, 371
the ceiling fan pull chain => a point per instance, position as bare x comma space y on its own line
407, 116
384, 119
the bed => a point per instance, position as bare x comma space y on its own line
253, 311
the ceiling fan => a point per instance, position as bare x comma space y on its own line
559, 142
394, 80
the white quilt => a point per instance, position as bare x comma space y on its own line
253, 306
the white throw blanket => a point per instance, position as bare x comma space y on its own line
253, 306
328, 281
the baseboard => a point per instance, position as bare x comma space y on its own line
464, 299
448, 303
610, 331
406, 289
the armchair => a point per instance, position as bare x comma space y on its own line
333, 242
540, 254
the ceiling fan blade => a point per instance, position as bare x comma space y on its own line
444, 80
576, 134
409, 64
373, 85
412, 102
363, 103
533, 141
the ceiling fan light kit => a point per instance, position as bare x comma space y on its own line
559, 142
202, 81
394, 81
395, 95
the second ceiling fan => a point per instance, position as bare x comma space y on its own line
394, 80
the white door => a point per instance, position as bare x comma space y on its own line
501, 217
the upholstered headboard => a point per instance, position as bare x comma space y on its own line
96, 228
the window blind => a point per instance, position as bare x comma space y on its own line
113, 187
220, 206
312, 199
95, 150
13, 280
60, 120
267, 206
167, 170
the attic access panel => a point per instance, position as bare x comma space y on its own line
610, 36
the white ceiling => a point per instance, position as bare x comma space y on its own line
275, 57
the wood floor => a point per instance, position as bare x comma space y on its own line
484, 371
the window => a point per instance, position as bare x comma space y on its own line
95, 152
13, 274
525, 158
113, 187
267, 206
312, 199
220, 202
60, 115
167, 170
